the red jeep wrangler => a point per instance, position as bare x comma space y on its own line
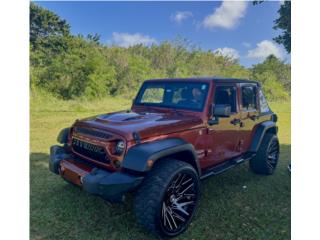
177, 132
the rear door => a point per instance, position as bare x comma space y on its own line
249, 114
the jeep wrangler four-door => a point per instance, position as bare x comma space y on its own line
177, 132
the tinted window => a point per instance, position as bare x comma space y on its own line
226, 95
183, 95
248, 98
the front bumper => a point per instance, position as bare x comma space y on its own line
110, 186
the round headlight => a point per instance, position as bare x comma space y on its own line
120, 146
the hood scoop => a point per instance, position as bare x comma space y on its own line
133, 118
122, 117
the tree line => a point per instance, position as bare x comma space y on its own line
70, 66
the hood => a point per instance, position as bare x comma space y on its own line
144, 123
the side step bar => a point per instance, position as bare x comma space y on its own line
222, 167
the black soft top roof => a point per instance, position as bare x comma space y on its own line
207, 79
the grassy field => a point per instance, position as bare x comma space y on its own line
235, 205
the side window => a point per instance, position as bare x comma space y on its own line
226, 95
249, 98
264, 107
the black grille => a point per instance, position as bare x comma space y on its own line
91, 132
90, 150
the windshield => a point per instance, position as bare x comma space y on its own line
181, 95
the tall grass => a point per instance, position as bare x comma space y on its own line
42, 101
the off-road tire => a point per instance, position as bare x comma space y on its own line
262, 163
149, 200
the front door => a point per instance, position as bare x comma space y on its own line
224, 137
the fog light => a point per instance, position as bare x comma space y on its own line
120, 147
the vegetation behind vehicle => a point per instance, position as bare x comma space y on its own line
71, 67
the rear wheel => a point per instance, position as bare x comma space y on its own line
266, 160
167, 199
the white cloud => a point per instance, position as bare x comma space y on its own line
178, 17
264, 49
127, 40
227, 15
228, 52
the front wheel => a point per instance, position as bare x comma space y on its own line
167, 199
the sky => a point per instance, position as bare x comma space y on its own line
236, 29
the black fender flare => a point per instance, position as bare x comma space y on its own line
138, 156
259, 134
63, 136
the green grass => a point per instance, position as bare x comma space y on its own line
235, 205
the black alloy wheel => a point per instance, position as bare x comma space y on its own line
178, 203
267, 157
166, 201
273, 154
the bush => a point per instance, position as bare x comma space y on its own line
72, 67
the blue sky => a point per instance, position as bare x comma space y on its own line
235, 29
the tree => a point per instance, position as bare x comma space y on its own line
283, 22
44, 23
71, 67
94, 38
274, 76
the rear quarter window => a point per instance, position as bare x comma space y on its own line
264, 107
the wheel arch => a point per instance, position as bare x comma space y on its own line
262, 129
143, 156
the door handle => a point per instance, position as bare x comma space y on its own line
235, 121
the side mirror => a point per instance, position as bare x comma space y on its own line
222, 110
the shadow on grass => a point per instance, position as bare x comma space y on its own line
232, 201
